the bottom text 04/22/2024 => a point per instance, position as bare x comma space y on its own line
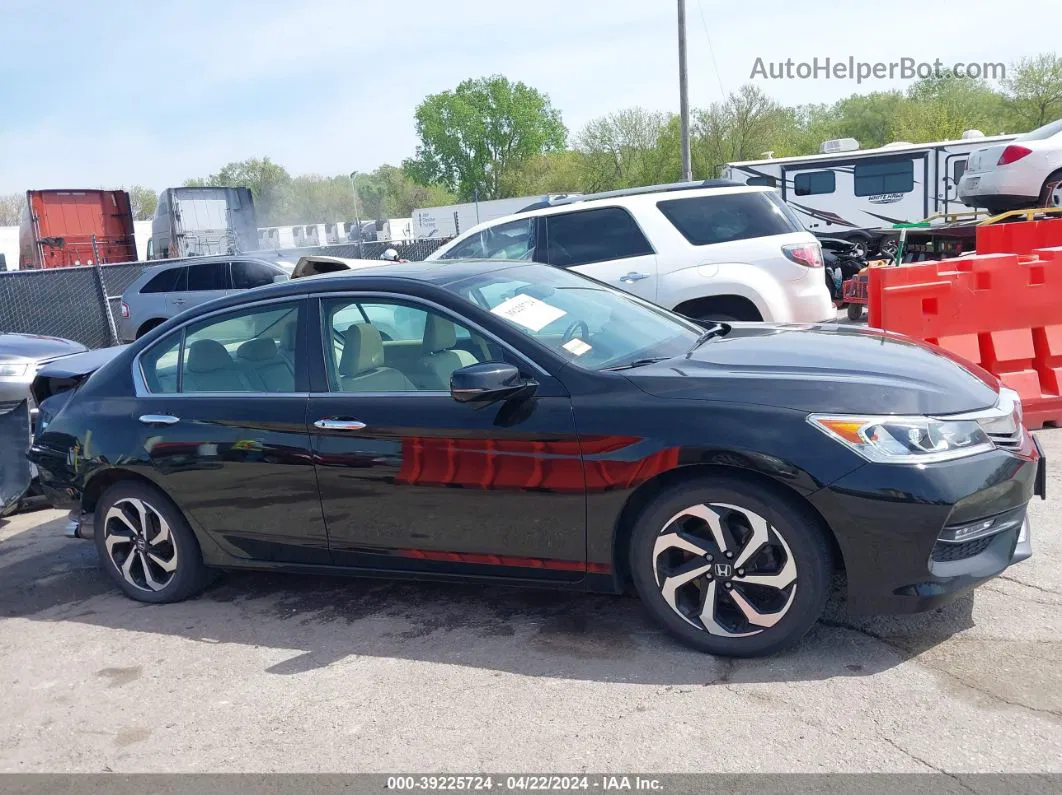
525, 783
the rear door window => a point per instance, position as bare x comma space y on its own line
165, 282
587, 236
208, 276
704, 220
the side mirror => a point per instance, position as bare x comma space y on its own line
487, 382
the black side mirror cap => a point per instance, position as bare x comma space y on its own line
487, 382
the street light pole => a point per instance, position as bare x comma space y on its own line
357, 217
684, 95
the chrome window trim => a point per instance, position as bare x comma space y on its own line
471, 324
140, 388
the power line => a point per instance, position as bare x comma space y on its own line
711, 51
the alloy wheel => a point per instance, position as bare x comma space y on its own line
140, 544
1054, 198
725, 570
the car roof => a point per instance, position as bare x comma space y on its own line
635, 198
437, 272
268, 256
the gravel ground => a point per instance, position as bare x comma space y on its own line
281, 673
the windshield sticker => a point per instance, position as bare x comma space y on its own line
528, 312
576, 346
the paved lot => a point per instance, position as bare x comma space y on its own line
271, 673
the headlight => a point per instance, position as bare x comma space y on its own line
905, 440
13, 370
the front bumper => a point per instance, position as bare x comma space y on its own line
889, 520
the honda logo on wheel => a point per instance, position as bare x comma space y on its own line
723, 570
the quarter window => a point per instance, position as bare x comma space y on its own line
392, 346
252, 350
705, 220
892, 176
811, 183
587, 236
513, 240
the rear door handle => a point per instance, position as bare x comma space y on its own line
632, 277
339, 425
159, 419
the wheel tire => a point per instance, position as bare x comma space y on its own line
797, 605
855, 312
169, 541
1051, 193
150, 325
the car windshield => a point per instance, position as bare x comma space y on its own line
579, 319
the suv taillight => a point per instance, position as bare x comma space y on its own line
1012, 153
807, 254
125, 310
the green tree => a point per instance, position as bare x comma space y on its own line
472, 136
142, 202
745, 126
627, 148
270, 185
1033, 89
552, 172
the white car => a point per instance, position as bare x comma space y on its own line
1027, 172
711, 251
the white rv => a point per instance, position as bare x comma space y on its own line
845, 188
453, 219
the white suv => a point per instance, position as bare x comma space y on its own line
712, 253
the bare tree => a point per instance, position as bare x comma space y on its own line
11, 208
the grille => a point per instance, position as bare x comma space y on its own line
947, 552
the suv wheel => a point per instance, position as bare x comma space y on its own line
731, 568
146, 546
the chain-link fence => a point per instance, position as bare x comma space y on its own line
73, 302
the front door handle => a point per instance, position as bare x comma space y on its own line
159, 419
339, 425
633, 277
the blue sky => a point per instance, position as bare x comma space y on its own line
153, 93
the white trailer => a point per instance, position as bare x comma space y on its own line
453, 219
845, 189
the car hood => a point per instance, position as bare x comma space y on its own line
822, 368
31, 347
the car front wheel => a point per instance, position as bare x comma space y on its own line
146, 546
730, 567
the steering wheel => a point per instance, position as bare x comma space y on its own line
571, 332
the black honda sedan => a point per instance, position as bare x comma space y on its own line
517, 423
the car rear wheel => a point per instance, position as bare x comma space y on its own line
146, 546
730, 567
1051, 195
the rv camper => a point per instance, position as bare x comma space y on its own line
845, 189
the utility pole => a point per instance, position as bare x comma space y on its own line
684, 94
